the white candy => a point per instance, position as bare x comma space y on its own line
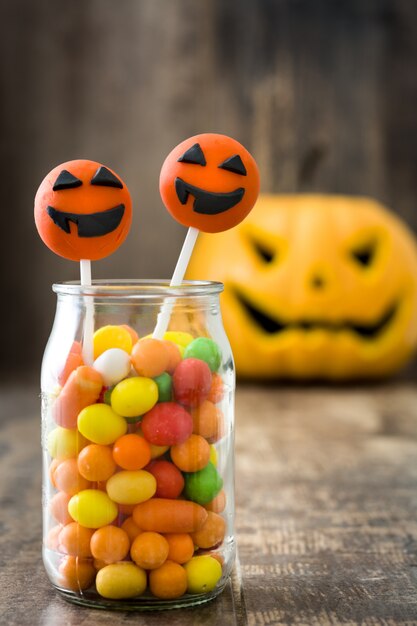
113, 365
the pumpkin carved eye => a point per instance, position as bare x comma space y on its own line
262, 251
364, 254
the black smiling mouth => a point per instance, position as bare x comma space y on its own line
273, 326
90, 224
207, 202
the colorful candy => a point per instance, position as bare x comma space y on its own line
169, 516
131, 487
203, 574
82, 388
211, 533
169, 581
169, 480
191, 381
204, 485
92, 508
131, 452
96, 463
134, 396
100, 424
181, 547
113, 365
75, 540
164, 384
149, 550
150, 357
121, 580
110, 337
167, 424
206, 350
191, 455
109, 544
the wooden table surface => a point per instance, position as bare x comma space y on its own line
326, 513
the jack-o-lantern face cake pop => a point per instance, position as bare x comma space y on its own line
209, 182
83, 210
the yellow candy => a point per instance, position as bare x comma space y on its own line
213, 455
203, 574
180, 338
131, 487
100, 424
65, 443
134, 396
92, 508
121, 580
111, 337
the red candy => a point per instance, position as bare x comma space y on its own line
191, 382
169, 480
167, 424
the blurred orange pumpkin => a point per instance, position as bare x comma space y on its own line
315, 287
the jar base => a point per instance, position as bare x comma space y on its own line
144, 603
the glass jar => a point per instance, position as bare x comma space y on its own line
137, 439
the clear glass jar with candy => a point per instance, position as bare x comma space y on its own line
137, 439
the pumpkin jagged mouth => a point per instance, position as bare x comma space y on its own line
274, 326
89, 224
207, 202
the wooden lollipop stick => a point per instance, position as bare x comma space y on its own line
176, 280
85, 279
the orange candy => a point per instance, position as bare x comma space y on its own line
131, 528
164, 515
83, 210
211, 533
174, 356
59, 508
181, 547
149, 550
218, 504
216, 393
150, 357
74, 540
68, 479
51, 541
110, 544
74, 360
95, 462
76, 574
131, 452
82, 388
207, 421
192, 455
210, 182
54, 464
168, 581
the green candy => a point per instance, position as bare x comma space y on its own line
206, 350
164, 384
204, 485
107, 395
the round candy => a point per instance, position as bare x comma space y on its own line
169, 480
210, 182
149, 550
110, 544
64, 443
131, 452
76, 574
168, 581
191, 455
75, 540
100, 424
181, 547
167, 424
131, 528
212, 533
203, 574
68, 479
59, 508
134, 396
178, 337
113, 365
205, 349
92, 508
131, 487
191, 382
110, 337
164, 384
118, 581
204, 485
83, 210
207, 421
150, 357
96, 463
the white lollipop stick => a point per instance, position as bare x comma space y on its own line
85, 279
176, 280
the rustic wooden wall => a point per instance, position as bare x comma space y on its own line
323, 92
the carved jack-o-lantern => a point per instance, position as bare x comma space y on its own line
315, 287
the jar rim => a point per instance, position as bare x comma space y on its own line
138, 288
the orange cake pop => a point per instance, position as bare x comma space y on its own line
83, 210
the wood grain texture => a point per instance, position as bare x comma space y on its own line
326, 513
323, 93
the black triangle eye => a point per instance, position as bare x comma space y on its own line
234, 164
66, 181
105, 178
364, 255
193, 155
